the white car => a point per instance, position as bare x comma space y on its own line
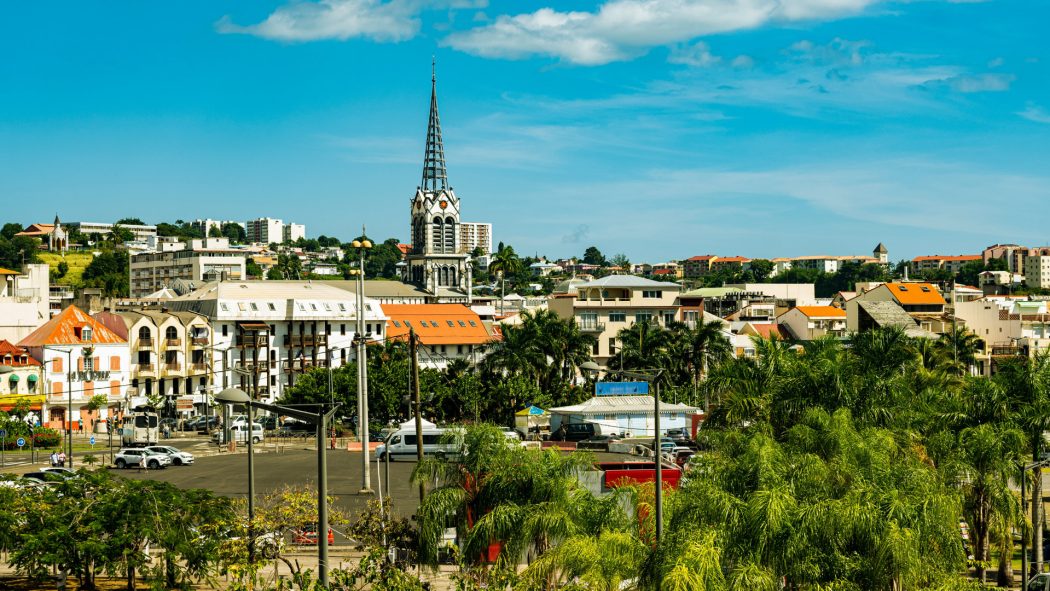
178, 457
141, 458
239, 433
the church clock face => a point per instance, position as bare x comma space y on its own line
443, 204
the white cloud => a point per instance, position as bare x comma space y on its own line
697, 55
622, 29
743, 62
393, 20
837, 52
1034, 112
971, 83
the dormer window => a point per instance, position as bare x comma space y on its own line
85, 333
904, 288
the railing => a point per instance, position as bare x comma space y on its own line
307, 340
199, 367
591, 326
200, 341
250, 341
173, 342
1003, 350
172, 366
145, 345
146, 369
305, 364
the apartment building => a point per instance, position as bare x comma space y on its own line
200, 260
82, 358
267, 333
446, 332
1037, 271
25, 301
605, 306
264, 230
23, 383
698, 266
736, 263
293, 232
1007, 326
475, 235
169, 355
953, 264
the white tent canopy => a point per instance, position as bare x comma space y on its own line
410, 425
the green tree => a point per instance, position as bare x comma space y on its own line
9, 230
593, 256
130, 222
761, 269
234, 232
109, 270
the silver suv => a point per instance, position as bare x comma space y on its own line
141, 458
178, 457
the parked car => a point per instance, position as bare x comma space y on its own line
178, 457
308, 536
43, 477
140, 457
511, 434
170, 423
201, 423
239, 433
597, 442
59, 471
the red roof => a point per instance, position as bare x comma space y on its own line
768, 330
733, 260
66, 329
15, 356
436, 324
663, 271
945, 258
37, 230
404, 248
706, 257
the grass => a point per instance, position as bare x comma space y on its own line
77, 262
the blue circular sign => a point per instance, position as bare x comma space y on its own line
21, 442
92, 440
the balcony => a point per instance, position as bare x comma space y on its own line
146, 369
145, 345
300, 365
1006, 350
172, 343
200, 341
308, 340
172, 368
257, 342
591, 326
199, 367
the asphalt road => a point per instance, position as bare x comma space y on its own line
227, 474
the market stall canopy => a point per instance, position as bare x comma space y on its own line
531, 411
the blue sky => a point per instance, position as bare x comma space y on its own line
657, 128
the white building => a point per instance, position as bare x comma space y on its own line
82, 358
140, 232
293, 232
201, 260
266, 333
264, 230
25, 301
1037, 271
475, 235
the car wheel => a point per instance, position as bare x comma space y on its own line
121, 464
177, 462
153, 464
255, 440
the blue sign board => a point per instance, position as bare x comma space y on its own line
621, 388
21, 442
3, 432
92, 440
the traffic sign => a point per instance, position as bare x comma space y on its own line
3, 433
92, 440
21, 442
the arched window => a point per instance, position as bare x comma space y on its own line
171, 333
145, 334
438, 235
452, 276
450, 235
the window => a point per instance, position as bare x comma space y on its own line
313, 307
617, 316
327, 307
145, 334
272, 307
342, 307
114, 363
397, 324
89, 364
904, 288
255, 307
443, 350
225, 331
459, 349
612, 346
643, 316
242, 307
462, 324
85, 333
342, 331
224, 307
474, 324
450, 324
925, 288
434, 324
302, 308
594, 348
408, 324
651, 293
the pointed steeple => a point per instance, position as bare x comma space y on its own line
434, 175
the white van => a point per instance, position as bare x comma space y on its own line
402, 443
239, 433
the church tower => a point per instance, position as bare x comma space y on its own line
437, 262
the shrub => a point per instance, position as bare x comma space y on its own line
46, 437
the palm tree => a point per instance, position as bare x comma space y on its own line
707, 347
960, 346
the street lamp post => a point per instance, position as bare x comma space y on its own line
69, 402
362, 364
1024, 541
238, 396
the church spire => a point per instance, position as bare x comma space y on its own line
434, 175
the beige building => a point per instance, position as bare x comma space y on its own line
921, 301
807, 323
605, 306
1037, 271
25, 301
1007, 326
475, 235
201, 260
169, 356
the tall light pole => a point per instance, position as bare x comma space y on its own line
362, 245
69, 399
238, 396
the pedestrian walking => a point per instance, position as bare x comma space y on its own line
54, 459
80, 426
62, 458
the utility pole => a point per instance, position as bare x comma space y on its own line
413, 346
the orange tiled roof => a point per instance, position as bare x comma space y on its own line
436, 324
404, 248
15, 356
915, 293
822, 311
4, 271
769, 330
733, 260
37, 230
64, 329
702, 258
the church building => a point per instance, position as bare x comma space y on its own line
437, 261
